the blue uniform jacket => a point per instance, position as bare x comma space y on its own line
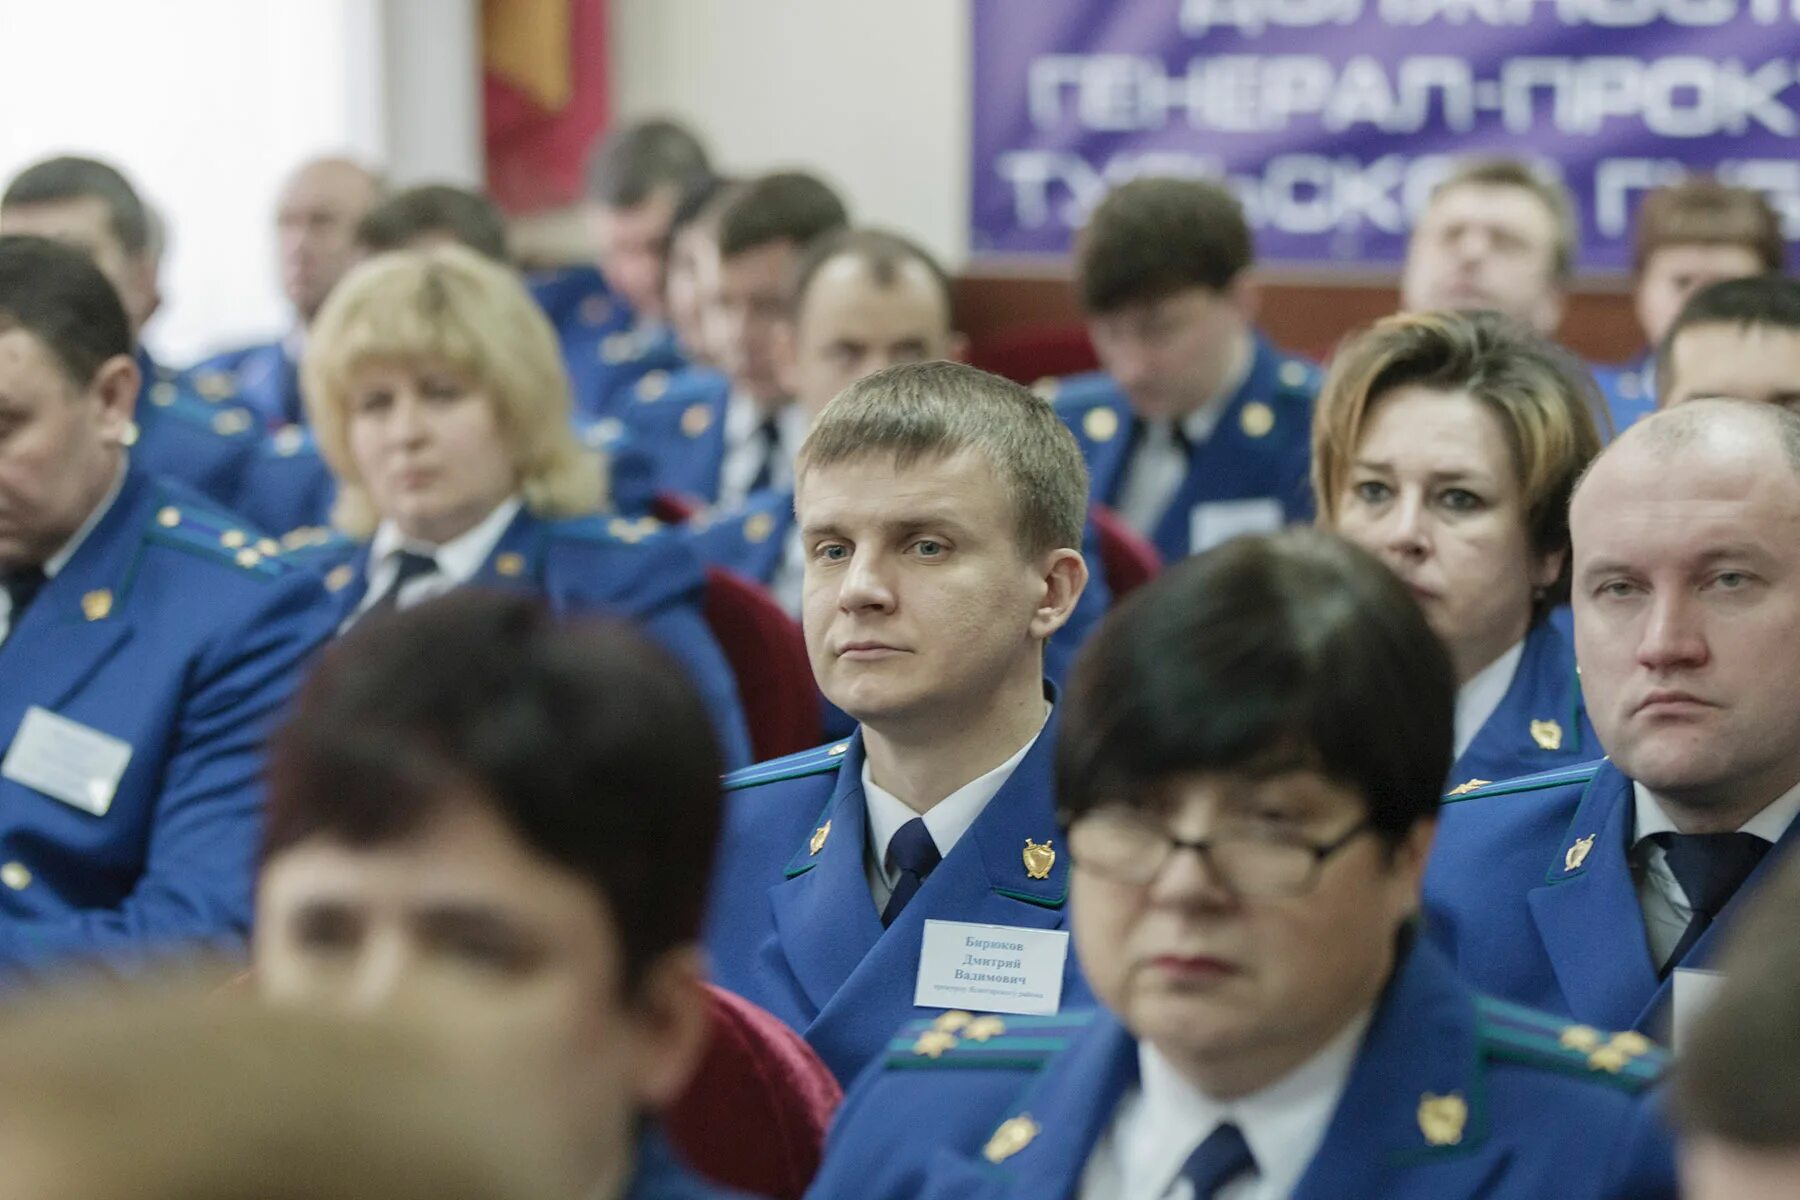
287, 485
1541, 723
677, 427
1529, 890
1629, 390
792, 926
204, 443
260, 377
1451, 1096
591, 565
172, 629
1258, 451
752, 538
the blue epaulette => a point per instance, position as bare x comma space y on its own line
226, 420
215, 535
1511, 1033
816, 761
1076, 392
964, 1040
1477, 788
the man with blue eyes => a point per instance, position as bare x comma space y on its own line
940, 511
1196, 429
1601, 891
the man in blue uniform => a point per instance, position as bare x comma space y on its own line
1247, 778
939, 508
1589, 891
315, 219
716, 437
1687, 236
1738, 338
146, 641
1198, 428
177, 432
611, 321
863, 299
486, 820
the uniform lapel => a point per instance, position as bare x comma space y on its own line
825, 918
1539, 723
79, 618
1106, 458
517, 560
1419, 1066
1587, 912
1071, 1103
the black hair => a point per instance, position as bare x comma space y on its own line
57, 294
72, 178
788, 206
1152, 237
635, 161
465, 215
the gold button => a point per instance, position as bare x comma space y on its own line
248, 558
169, 517
16, 875
233, 539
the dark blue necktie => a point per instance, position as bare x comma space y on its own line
1221, 1158
410, 566
1710, 868
915, 855
769, 434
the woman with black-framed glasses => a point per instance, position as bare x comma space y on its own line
1247, 777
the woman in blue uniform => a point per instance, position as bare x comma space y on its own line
437, 395
1448, 444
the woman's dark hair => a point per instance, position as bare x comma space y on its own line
587, 741
1291, 650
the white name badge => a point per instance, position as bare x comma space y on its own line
1694, 993
66, 760
1222, 520
993, 968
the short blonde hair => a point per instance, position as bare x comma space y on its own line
450, 307
1542, 397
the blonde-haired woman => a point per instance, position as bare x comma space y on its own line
1448, 444
436, 392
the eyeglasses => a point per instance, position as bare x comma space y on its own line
1122, 846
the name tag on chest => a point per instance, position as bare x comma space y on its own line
1694, 993
994, 968
1221, 520
67, 761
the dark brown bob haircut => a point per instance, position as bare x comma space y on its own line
586, 740
1265, 654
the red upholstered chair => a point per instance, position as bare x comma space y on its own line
1127, 560
1029, 353
673, 509
754, 1116
767, 653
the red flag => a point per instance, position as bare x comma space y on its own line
545, 97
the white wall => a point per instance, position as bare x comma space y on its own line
208, 104
873, 94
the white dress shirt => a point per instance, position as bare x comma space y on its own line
744, 447
1477, 699
947, 821
458, 560
788, 584
1667, 910
56, 562
1159, 463
1161, 1121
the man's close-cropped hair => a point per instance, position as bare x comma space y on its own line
58, 295
1153, 237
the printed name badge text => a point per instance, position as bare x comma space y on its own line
991, 968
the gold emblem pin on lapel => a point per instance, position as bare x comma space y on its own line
1441, 1118
95, 605
339, 577
818, 838
983, 1028
1463, 789
1257, 419
1039, 858
953, 1021
1547, 734
696, 420
1100, 424
509, 564
1014, 1134
758, 528
1578, 852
